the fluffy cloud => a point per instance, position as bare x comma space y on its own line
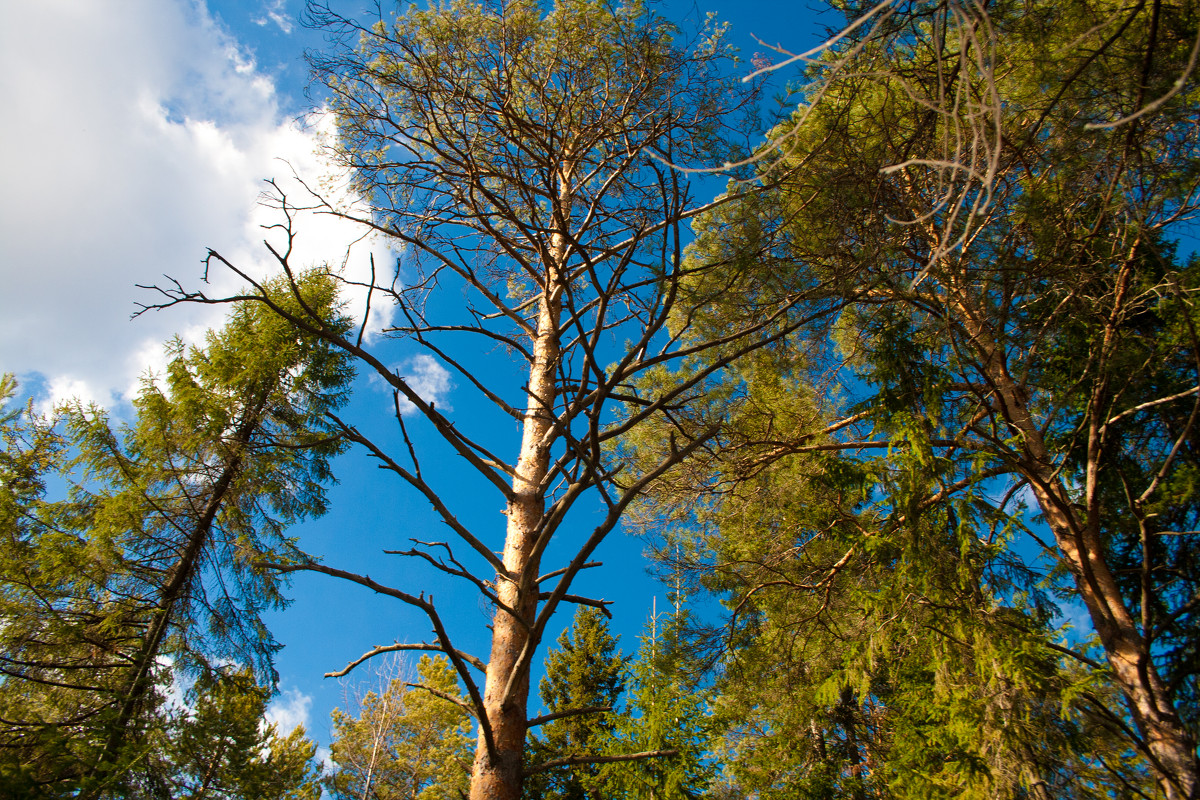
428, 378
287, 710
137, 134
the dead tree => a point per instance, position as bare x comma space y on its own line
518, 157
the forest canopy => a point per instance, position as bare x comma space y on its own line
907, 415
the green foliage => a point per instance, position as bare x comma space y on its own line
664, 712
876, 651
1012, 316
155, 551
585, 671
656, 713
407, 742
222, 748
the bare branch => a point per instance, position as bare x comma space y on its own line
449, 698
602, 605
571, 761
557, 572
571, 712
1151, 404
393, 648
421, 603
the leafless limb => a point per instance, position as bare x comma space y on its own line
571, 761
571, 712
393, 648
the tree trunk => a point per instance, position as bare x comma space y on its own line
1080, 543
498, 775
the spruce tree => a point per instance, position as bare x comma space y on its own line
585, 674
667, 713
103, 587
222, 748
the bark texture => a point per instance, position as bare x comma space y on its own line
497, 773
1080, 542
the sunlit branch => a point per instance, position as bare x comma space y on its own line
393, 648
570, 761
463, 704
430, 612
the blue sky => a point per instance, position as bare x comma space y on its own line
137, 134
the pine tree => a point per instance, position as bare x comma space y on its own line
515, 154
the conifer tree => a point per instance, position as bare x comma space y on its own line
31, 450
992, 189
585, 678
665, 712
155, 553
222, 748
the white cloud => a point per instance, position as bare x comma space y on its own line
274, 12
324, 757
287, 710
429, 379
174, 693
140, 141
62, 388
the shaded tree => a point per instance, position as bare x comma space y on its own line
664, 712
154, 554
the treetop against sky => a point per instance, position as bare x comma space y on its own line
144, 141
949, 316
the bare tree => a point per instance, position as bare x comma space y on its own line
516, 157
